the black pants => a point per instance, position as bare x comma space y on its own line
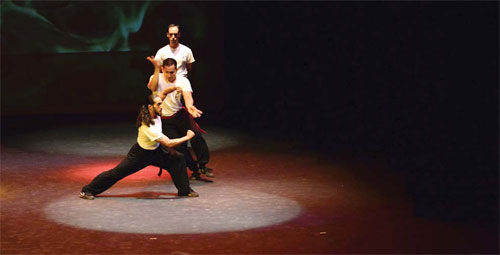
139, 158
200, 149
176, 127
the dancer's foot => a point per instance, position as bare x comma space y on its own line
191, 193
197, 177
207, 172
86, 195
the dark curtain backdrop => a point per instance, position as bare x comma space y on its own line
70, 57
416, 82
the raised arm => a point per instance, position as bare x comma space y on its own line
174, 142
153, 82
188, 100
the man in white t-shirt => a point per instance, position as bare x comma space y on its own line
180, 52
185, 59
147, 151
176, 118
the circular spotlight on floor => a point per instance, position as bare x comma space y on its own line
147, 210
113, 139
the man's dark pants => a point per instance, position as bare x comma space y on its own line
139, 158
177, 126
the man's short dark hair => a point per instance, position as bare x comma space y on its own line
174, 25
169, 62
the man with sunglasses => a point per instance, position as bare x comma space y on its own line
185, 59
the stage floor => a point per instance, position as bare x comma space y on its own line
267, 197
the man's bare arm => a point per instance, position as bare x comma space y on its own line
189, 101
153, 83
189, 68
167, 91
174, 142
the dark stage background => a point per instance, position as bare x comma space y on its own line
412, 83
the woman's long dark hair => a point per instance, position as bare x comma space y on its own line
144, 117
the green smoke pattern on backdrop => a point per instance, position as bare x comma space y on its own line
93, 53
69, 27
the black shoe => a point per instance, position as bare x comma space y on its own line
195, 176
207, 172
191, 193
86, 195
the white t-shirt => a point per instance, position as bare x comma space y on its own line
172, 102
182, 54
148, 135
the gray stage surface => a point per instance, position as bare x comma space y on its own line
267, 197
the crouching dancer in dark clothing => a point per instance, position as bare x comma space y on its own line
152, 148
